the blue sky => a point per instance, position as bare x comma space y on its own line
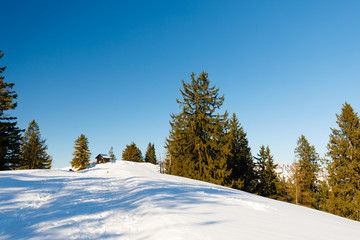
112, 70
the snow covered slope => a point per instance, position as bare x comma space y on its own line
126, 200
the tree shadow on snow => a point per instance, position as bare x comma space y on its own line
80, 206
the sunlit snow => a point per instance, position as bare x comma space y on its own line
127, 200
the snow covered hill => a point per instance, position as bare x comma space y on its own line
127, 200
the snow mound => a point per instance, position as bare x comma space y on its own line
126, 200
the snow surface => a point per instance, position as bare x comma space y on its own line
127, 200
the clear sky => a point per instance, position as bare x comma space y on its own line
112, 70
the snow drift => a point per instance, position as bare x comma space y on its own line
127, 200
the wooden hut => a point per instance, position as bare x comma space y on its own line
102, 158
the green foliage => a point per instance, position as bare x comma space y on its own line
10, 134
111, 154
303, 186
150, 155
282, 189
132, 153
197, 133
344, 166
307, 159
240, 163
268, 181
81, 154
33, 149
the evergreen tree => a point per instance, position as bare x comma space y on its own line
132, 153
150, 155
197, 132
239, 159
111, 154
344, 166
307, 159
10, 134
81, 154
267, 177
33, 149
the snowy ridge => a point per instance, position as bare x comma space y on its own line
283, 170
127, 200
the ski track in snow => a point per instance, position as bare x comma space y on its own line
126, 200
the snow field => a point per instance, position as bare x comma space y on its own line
127, 200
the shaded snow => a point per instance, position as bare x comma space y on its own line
127, 200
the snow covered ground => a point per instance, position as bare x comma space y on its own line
127, 200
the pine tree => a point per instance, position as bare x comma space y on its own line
33, 149
194, 143
81, 154
111, 154
344, 166
307, 159
150, 155
267, 177
239, 159
10, 134
132, 153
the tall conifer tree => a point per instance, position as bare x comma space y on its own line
196, 132
344, 165
267, 177
10, 134
307, 159
81, 154
33, 149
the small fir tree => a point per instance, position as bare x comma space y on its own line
150, 155
33, 149
132, 153
267, 177
344, 166
81, 154
111, 154
10, 134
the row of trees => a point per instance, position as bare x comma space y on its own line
206, 145
18, 151
131, 152
331, 184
